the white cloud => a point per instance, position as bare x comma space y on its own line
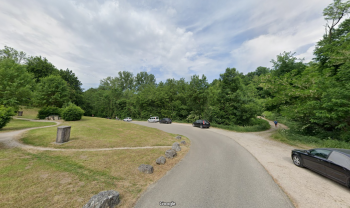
173, 39
283, 35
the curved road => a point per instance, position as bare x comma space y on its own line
216, 172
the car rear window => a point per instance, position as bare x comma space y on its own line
340, 159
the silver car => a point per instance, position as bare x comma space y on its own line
153, 119
127, 119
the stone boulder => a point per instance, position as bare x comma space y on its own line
176, 147
161, 160
146, 168
183, 142
104, 199
178, 137
170, 153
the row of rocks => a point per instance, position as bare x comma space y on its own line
171, 153
110, 199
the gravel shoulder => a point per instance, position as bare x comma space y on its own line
304, 187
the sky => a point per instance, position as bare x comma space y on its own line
170, 39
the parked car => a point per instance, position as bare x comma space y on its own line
153, 119
330, 162
166, 121
127, 119
201, 124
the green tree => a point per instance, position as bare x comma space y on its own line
40, 67
237, 103
11, 53
52, 91
287, 62
125, 80
16, 84
142, 79
75, 90
197, 94
333, 13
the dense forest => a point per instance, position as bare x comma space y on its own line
314, 95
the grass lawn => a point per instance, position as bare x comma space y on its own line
16, 124
29, 113
100, 133
31, 178
70, 179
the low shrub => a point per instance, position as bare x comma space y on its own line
5, 115
48, 111
254, 126
293, 138
72, 112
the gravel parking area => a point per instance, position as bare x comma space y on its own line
304, 187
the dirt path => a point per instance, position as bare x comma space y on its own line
304, 187
11, 140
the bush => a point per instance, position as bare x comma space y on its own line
255, 126
72, 112
48, 111
5, 115
293, 138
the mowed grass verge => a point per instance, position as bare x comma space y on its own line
100, 133
70, 179
28, 112
17, 124
33, 178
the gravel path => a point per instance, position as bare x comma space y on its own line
304, 187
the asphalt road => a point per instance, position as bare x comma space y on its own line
216, 172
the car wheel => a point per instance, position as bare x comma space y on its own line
349, 183
297, 161
201, 126
193, 125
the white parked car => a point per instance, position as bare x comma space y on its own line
153, 119
127, 119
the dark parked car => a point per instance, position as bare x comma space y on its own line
201, 124
330, 162
165, 120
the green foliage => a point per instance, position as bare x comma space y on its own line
286, 62
255, 125
16, 84
5, 115
12, 54
237, 102
72, 112
48, 111
333, 14
198, 91
294, 138
52, 91
75, 90
143, 79
40, 67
